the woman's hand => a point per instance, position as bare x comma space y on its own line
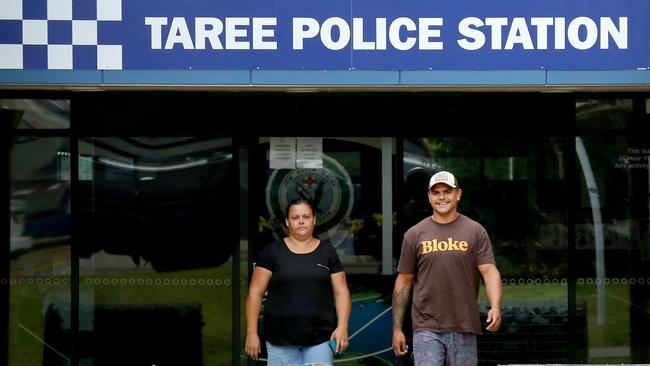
343, 309
253, 348
341, 336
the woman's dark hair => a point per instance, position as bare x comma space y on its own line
298, 201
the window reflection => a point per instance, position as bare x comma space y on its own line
39, 250
156, 200
613, 114
37, 113
612, 233
156, 219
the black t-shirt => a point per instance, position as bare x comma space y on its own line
299, 310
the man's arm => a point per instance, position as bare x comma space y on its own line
492, 280
401, 299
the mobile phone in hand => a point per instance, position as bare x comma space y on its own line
333, 345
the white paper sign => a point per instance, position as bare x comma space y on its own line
310, 152
283, 153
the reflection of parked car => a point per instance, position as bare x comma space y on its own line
164, 200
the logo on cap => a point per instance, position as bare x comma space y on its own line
443, 177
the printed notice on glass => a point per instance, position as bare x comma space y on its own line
310, 152
634, 158
283, 153
85, 168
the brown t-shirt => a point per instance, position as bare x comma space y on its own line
445, 259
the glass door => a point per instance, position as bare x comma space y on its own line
154, 234
612, 226
517, 189
39, 267
39, 276
350, 182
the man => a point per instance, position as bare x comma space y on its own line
441, 261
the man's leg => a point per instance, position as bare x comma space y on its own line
461, 349
428, 349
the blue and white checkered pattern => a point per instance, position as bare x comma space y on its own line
58, 34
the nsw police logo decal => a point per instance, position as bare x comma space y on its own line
329, 188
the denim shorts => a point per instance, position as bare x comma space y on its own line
439, 349
320, 354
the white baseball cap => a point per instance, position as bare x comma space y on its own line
443, 177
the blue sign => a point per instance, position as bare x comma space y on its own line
325, 35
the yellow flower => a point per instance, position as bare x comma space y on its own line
262, 224
356, 225
377, 217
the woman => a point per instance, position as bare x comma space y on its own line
308, 299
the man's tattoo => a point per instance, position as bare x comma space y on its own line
401, 299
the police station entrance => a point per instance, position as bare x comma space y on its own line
135, 220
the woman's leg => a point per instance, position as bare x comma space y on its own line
283, 355
318, 355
